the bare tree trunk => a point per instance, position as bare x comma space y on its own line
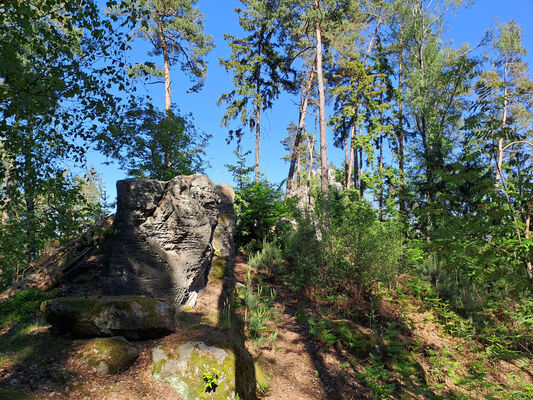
356, 167
301, 127
401, 194
361, 188
7, 185
350, 161
298, 166
166, 56
31, 250
257, 139
504, 125
380, 171
324, 175
346, 161
311, 148
168, 101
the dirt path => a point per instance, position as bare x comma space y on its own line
301, 369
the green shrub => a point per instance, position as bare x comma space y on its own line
259, 207
343, 244
259, 311
22, 305
269, 258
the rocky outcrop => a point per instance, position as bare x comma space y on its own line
108, 356
134, 317
163, 245
223, 238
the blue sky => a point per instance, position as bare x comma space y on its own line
467, 26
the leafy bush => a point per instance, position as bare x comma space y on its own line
22, 305
259, 207
343, 244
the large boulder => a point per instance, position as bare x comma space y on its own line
163, 242
108, 356
206, 368
134, 317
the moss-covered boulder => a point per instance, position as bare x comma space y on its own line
108, 356
210, 368
134, 317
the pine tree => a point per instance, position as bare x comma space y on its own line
175, 30
260, 66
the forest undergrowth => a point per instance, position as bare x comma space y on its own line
411, 326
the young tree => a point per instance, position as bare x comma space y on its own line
504, 114
160, 145
435, 85
240, 171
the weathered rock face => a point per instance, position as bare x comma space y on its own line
108, 356
134, 317
223, 238
183, 366
163, 242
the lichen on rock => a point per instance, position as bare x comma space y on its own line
108, 356
183, 363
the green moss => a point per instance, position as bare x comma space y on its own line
15, 396
115, 353
22, 305
218, 268
156, 366
189, 381
94, 306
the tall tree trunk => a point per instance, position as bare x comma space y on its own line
361, 188
301, 127
324, 175
7, 185
298, 165
504, 126
401, 194
528, 234
311, 148
166, 56
380, 171
31, 250
346, 161
168, 101
356, 167
350, 161
257, 139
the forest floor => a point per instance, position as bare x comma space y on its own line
302, 354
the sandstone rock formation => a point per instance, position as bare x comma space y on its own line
163, 245
223, 238
134, 317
